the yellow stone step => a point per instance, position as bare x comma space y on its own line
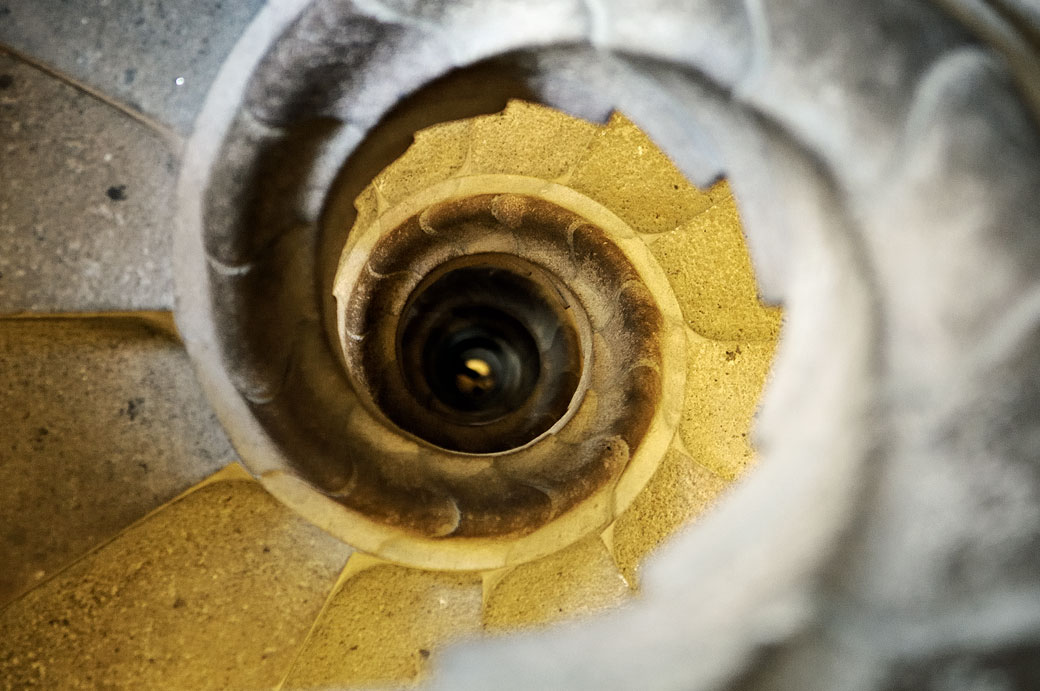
681, 490
707, 263
101, 422
215, 590
578, 580
724, 382
384, 623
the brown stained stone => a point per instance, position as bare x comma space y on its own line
451, 217
101, 421
629, 175
383, 626
680, 491
591, 247
634, 398
216, 591
371, 289
406, 244
723, 387
576, 581
707, 264
84, 201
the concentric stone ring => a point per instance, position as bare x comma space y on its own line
484, 355
608, 391
520, 333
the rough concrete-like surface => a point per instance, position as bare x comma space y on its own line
383, 625
706, 261
888, 539
154, 56
682, 489
723, 389
215, 591
84, 200
574, 582
101, 421
899, 464
613, 176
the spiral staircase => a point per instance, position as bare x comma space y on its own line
375, 344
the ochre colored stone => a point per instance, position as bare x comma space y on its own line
681, 490
708, 266
578, 580
723, 386
629, 175
528, 139
216, 590
101, 421
224, 587
438, 152
383, 625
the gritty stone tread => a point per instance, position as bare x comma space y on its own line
84, 200
102, 421
384, 623
829, 88
155, 57
224, 563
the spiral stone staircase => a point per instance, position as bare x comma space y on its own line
370, 344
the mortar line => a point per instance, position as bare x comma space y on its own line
174, 139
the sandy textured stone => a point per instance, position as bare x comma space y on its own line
523, 139
438, 153
681, 490
101, 421
628, 174
384, 624
215, 591
155, 56
528, 139
84, 200
575, 581
723, 387
709, 269
941, 477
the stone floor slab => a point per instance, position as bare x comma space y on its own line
85, 196
215, 591
101, 421
154, 56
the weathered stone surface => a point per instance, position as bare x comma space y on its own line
215, 591
551, 147
101, 421
940, 437
84, 200
345, 60
383, 625
904, 410
845, 92
707, 263
955, 235
723, 388
628, 174
154, 56
721, 43
681, 490
576, 581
